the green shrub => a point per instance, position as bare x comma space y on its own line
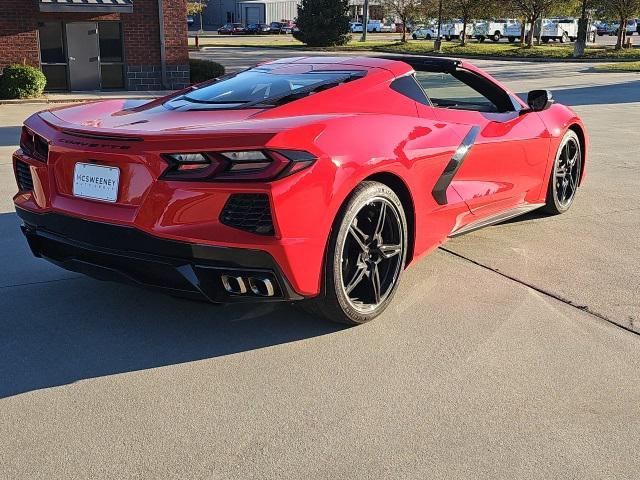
323, 23
21, 81
203, 70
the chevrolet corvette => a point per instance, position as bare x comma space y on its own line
309, 179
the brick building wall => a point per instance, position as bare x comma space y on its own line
141, 32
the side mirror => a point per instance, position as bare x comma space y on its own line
539, 100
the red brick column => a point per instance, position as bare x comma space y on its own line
142, 44
18, 33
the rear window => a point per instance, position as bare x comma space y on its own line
262, 85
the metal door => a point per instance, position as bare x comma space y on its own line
83, 52
252, 15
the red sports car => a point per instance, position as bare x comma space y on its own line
306, 179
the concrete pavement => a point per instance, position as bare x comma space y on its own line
470, 374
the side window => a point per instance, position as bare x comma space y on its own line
464, 90
408, 87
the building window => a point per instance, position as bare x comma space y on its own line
52, 55
111, 54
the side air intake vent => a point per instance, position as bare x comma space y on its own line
250, 212
23, 177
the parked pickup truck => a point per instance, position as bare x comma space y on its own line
494, 30
513, 31
453, 30
565, 30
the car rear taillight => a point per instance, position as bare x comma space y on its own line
34, 145
236, 166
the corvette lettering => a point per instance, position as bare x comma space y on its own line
94, 145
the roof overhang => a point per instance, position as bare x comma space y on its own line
86, 6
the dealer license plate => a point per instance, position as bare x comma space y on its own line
96, 182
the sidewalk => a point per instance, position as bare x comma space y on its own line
69, 97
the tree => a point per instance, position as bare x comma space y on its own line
466, 10
531, 11
323, 23
406, 11
196, 8
623, 10
581, 41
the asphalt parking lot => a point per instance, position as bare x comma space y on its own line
511, 353
600, 40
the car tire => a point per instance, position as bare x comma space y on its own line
512, 39
565, 175
545, 39
361, 250
429, 36
414, 36
564, 38
481, 39
496, 37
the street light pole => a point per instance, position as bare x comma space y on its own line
201, 20
438, 45
365, 21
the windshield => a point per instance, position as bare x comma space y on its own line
260, 85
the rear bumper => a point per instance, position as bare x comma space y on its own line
113, 252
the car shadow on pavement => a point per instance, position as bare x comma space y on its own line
59, 330
10, 136
625, 92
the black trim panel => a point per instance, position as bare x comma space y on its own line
497, 218
421, 63
439, 191
114, 252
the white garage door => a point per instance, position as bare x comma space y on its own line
252, 15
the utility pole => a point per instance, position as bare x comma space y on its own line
438, 44
365, 20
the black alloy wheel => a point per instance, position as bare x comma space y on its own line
365, 256
565, 176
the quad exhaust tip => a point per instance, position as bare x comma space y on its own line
238, 285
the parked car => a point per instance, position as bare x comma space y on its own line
632, 26
356, 27
374, 26
212, 199
494, 30
602, 28
424, 33
258, 28
282, 27
231, 29
388, 27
